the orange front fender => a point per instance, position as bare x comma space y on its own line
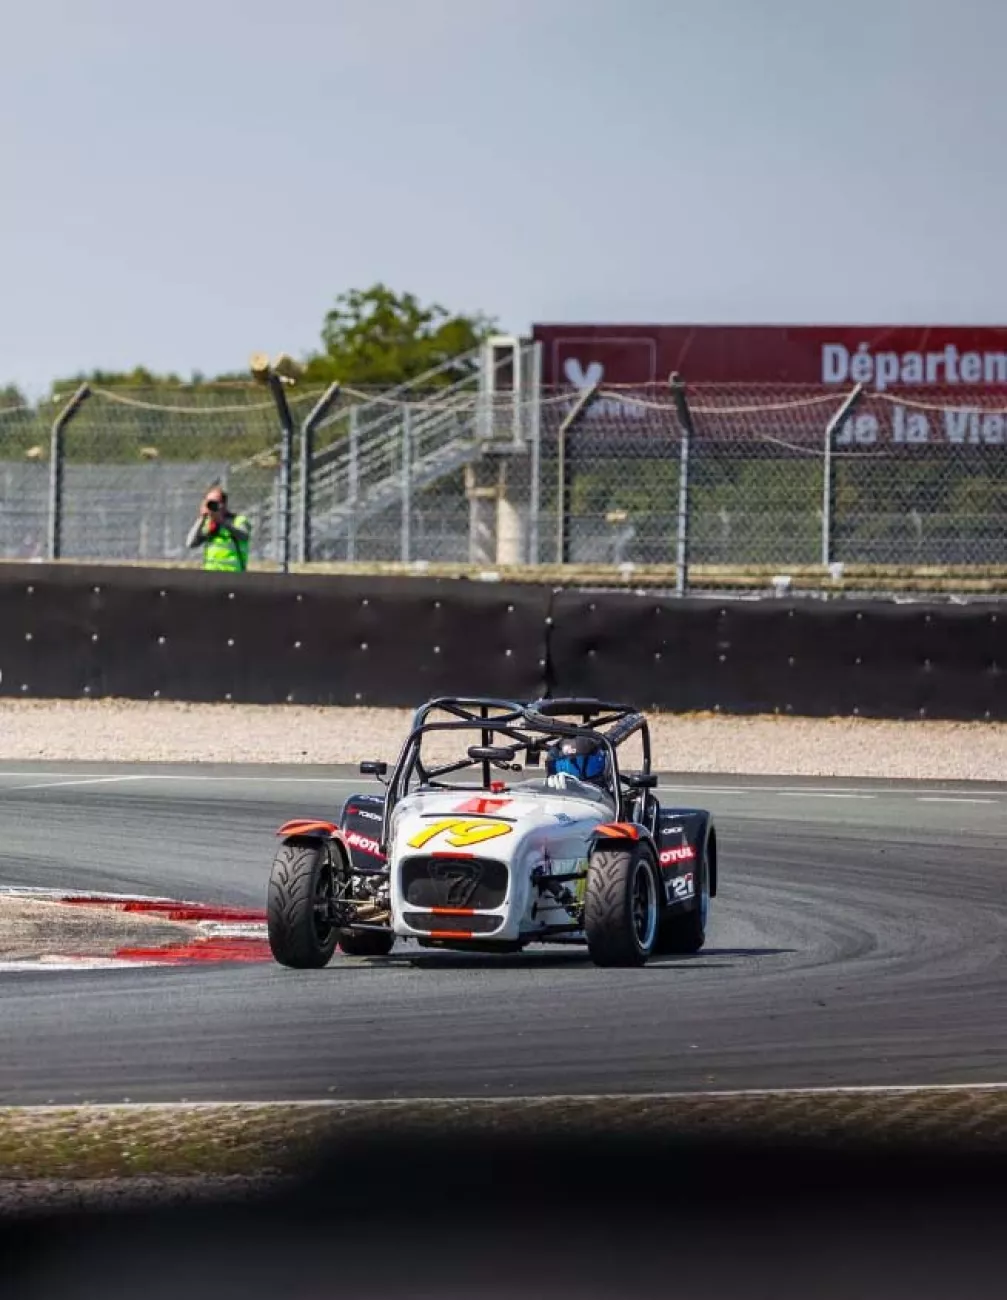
618, 830
306, 826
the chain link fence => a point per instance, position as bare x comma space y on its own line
743, 480
414, 473
922, 483
725, 488
133, 466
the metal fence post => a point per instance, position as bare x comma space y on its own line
311, 422
353, 484
407, 483
535, 437
286, 460
688, 433
828, 483
564, 472
56, 462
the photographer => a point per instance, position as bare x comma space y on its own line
224, 536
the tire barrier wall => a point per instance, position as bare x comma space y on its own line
77, 631
71, 632
809, 658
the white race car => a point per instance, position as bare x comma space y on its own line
577, 851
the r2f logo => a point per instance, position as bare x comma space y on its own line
682, 887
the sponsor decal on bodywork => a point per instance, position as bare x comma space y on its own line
459, 832
682, 887
365, 843
680, 853
482, 805
363, 812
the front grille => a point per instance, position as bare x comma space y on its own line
454, 882
435, 922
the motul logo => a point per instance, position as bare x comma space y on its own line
364, 843
683, 853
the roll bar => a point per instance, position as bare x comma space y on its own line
529, 728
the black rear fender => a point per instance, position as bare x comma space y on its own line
360, 822
685, 833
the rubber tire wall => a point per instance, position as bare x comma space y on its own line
92, 631
798, 656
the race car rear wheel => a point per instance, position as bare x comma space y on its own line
298, 914
366, 943
681, 933
621, 908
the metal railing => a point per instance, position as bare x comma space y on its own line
693, 487
733, 486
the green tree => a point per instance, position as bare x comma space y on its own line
138, 377
371, 337
377, 337
11, 396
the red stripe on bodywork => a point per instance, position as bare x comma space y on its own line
482, 805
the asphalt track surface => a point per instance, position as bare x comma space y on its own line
859, 939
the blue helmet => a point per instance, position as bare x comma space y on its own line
582, 757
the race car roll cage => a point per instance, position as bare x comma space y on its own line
546, 721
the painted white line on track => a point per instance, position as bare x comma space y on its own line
60, 965
710, 789
67, 778
404, 1103
823, 794
91, 780
953, 799
47, 892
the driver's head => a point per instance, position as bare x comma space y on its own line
581, 756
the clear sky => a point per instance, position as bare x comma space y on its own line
187, 182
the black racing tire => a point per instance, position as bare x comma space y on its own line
681, 933
366, 943
622, 907
300, 886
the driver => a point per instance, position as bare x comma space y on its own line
582, 757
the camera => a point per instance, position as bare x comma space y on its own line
213, 505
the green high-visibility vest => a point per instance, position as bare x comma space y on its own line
225, 553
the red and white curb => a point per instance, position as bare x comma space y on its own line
221, 933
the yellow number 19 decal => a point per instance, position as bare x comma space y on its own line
460, 832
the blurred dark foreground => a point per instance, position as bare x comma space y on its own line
502, 1217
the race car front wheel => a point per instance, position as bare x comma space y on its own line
621, 909
298, 914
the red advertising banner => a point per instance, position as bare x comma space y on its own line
882, 357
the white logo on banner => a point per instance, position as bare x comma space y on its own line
584, 378
581, 378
